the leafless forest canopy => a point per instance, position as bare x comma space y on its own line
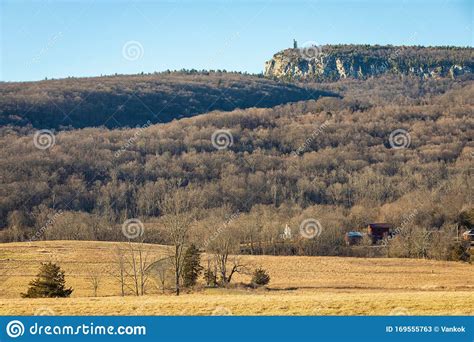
408, 55
327, 159
128, 101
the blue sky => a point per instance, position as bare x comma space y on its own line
57, 39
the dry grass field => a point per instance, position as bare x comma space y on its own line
299, 286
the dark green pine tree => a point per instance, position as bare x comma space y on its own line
49, 282
191, 266
260, 277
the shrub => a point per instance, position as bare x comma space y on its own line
459, 252
260, 277
466, 218
49, 283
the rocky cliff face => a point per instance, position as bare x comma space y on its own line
334, 62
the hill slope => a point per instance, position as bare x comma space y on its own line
128, 101
330, 159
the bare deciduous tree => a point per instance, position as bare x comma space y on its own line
138, 261
163, 270
132, 260
224, 242
120, 272
180, 211
94, 279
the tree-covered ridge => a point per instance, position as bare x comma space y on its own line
412, 54
329, 159
128, 101
333, 62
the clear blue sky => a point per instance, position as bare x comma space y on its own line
57, 39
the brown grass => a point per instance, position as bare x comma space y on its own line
299, 286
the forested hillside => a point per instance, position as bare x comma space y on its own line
128, 101
334, 159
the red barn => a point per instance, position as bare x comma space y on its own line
378, 231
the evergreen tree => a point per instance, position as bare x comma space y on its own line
260, 277
191, 266
211, 278
49, 282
